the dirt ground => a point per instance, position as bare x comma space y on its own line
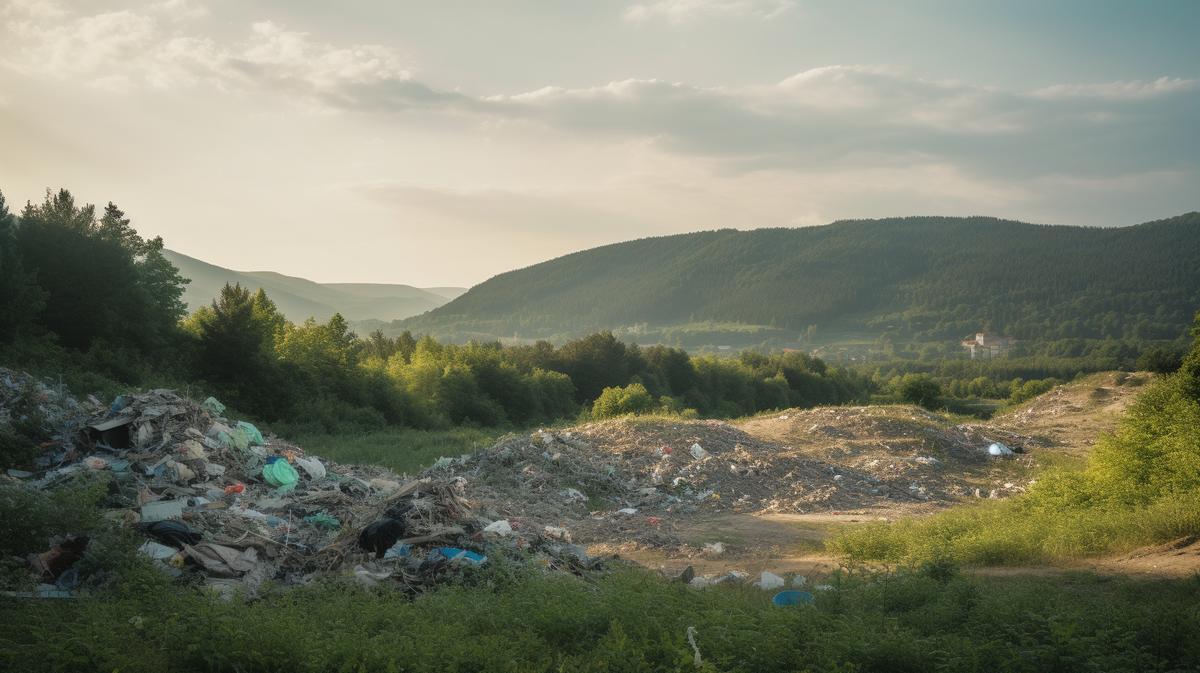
769, 489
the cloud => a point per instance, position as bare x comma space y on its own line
880, 128
180, 10
124, 49
849, 115
1132, 90
26, 10
682, 11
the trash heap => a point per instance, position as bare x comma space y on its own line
616, 483
28, 401
221, 505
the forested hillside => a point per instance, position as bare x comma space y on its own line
300, 298
915, 278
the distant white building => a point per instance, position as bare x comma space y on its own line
984, 345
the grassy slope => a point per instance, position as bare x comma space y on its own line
1140, 486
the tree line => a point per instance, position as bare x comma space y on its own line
82, 294
83, 288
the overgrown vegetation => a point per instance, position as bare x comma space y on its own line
506, 619
1141, 485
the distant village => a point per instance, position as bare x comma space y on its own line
985, 346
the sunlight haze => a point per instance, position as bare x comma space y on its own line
443, 143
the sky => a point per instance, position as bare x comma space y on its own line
441, 143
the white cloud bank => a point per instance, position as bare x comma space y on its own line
682, 11
361, 135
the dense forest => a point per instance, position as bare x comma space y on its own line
915, 279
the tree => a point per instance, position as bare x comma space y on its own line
102, 281
21, 300
236, 339
632, 399
596, 362
919, 389
1160, 360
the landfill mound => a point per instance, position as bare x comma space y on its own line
630, 483
1071, 417
906, 448
221, 505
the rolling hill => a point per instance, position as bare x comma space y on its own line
921, 278
299, 298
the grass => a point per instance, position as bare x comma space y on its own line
506, 618
1008, 533
1140, 486
401, 449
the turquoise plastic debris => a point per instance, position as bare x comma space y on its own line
212, 406
792, 597
281, 475
246, 435
251, 432
398, 550
456, 554
324, 520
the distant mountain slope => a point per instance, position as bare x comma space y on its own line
299, 298
932, 278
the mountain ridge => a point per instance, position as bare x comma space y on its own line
937, 276
299, 298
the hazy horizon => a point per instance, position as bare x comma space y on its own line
441, 145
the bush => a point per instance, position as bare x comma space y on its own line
632, 399
29, 517
919, 389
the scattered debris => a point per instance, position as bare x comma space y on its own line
769, 580
217, 499
999, 450
792, 597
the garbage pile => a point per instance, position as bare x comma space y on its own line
906, 448
29, 402
222, 505
634, 482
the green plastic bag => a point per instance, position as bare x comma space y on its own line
324, 520
245, 435
281, 475
212, 406
252, 432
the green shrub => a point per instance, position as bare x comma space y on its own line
631, 399
29, 517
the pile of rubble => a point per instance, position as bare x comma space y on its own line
220, 504
904, 447
27, 401
632, 481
